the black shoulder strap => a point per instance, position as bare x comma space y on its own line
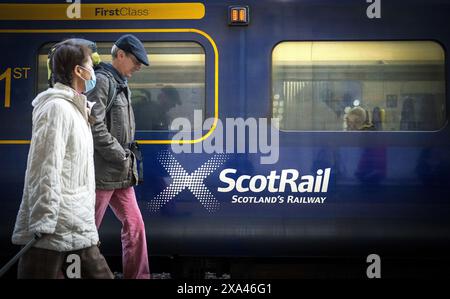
112, 89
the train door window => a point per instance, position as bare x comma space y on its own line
400, 85
172, 86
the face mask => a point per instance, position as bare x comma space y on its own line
89, 84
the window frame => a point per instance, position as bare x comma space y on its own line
162, 35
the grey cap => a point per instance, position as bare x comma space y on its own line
131, 44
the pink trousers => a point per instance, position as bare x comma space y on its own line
134, 244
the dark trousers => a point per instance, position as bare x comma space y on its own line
38, 263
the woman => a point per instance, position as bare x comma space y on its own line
59, 192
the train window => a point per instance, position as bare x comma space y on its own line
172, 86
399, 84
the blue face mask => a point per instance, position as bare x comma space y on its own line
89, 84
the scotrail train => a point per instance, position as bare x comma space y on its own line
302, 63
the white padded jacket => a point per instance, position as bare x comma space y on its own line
59, 190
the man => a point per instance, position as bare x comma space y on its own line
115, 162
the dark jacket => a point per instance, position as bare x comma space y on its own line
115, 165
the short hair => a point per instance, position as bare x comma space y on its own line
114, 50
66, 56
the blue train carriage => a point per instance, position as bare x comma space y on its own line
325, 190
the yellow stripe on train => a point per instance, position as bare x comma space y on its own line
111, 11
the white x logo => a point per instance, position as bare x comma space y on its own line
194, 181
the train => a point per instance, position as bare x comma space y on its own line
254, 159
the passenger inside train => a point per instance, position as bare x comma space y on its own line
357, 120
154, 114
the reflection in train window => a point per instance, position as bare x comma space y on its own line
172, 86
401, 85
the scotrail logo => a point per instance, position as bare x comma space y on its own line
288, 179
284, 187
194, 181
